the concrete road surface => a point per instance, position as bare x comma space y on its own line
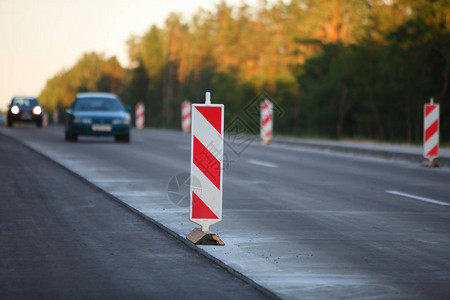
305, 224
64, 239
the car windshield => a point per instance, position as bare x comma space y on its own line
101, 104
24, 102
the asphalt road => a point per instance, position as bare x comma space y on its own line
306, 224
64, 239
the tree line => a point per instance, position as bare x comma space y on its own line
334, 68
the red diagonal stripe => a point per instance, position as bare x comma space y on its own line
186, 116
266, 120
264, 105
207, 162
213, 115
433, 152
431, 130
200, 210
429, 109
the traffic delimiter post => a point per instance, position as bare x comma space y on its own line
431, 133
207, 169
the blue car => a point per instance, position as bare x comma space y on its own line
97, 114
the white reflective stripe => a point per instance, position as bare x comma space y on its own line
209, 194
431, 118
207, 135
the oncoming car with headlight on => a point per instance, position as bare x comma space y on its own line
97, 114
24, 109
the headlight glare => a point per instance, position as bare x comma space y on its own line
15, 109
37, 110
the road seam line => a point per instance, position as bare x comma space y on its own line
397, 193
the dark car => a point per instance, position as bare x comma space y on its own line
24, 109
97, 114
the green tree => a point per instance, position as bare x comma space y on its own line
92, 72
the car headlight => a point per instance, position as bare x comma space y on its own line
37, 110
82, 120
120, 121
15, 109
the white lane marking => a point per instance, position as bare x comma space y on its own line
182, 147
418, 198
262, 163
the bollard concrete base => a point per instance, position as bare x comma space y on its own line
267, 142
199, 237
431, 164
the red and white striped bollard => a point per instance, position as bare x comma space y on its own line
140, 115
207, 170
44, 119
266, 121
186, 116
431, 131
55, 116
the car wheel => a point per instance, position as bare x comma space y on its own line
39, 123
10, 122
123, 138
70, 136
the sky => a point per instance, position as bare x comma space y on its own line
39, 38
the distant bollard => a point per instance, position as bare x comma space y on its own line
55, 117
140, 115
266, 122
431, 133
186, 116
44, 119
